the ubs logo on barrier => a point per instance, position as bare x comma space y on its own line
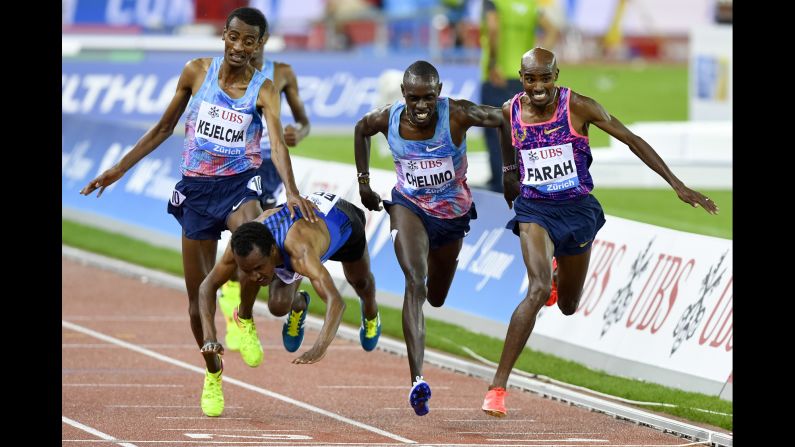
694, 313
620, 302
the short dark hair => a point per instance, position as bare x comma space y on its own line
251, 16
252, 234
421, 69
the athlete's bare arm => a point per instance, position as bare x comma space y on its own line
370, 124
221, 273
510, 171
585, 110
292, 133
465, 114
305, 258
194, 71
268, 100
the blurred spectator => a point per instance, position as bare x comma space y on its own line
214, 12
507, 31
408, 22
455, 11
345, 17
291, 17
723, 11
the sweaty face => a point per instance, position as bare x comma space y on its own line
538, 82
241, 40
420, 95
258, 267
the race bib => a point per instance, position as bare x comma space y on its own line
255, 184
177, 198
325, 201
224, 129
427, 172
550, 169
287, 276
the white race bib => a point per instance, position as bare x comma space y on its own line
287, 276
325, 201
427, 172
224, 127
550, 169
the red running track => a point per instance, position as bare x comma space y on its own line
132, 376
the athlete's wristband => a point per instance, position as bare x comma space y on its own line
363, 178
509, 168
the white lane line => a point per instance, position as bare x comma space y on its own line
124, 385
229, 429
233, 381
184, 346
526, 433
162, 406
549, 440
376, 387
445, 409
490, 420
222, 418
95, 432
136, 318
318, 444
107, 346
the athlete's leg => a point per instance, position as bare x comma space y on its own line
284, 297
361, 278
572, 271
247, 212
537, 250
411, 248
442, 263
198, 258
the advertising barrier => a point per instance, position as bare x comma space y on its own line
139, 86
653, 296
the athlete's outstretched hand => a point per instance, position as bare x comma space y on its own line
103, 181
314, 355
370, 199
306, 206
213, 347
510, 187
696, 199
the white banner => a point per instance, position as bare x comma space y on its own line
655, 296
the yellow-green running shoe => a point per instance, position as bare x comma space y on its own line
212, 394
250, 347
228, 301
370, 331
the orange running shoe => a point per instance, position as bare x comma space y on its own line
494, 403
553, 294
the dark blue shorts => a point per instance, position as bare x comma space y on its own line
202, 204
440, 231
571, 224
271, 183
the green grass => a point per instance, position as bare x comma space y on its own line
439, 335
630, 92
662, 207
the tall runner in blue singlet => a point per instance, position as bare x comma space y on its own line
220, 186
285, 81
431, 203
277, 250
546, 181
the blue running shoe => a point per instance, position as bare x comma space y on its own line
293, 329
419, 396
370, 331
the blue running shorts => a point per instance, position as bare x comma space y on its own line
202, 204
571, 224
440, 231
